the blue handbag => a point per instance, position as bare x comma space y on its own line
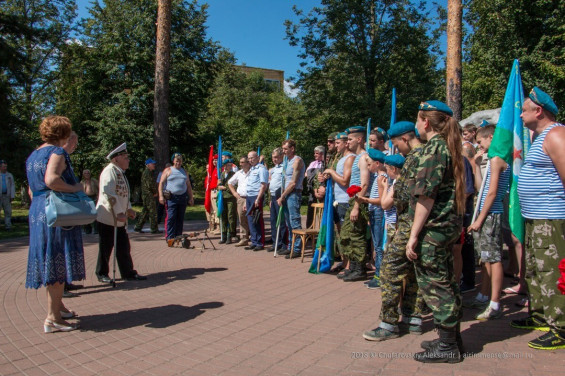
69, 209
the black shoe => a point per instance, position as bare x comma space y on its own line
293, 255
446, 350
249, 247
138, 230
70, 286
104, 279
157, 232
222, 241
283, 252
258, 248
228, 241
136, 277
344, 274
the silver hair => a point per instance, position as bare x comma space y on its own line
320, 149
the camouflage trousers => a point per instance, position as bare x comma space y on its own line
149, 212
434, 273
398, 281
545, 248
353, 235
229, 217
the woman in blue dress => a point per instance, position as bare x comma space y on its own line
56, 254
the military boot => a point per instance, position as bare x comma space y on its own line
443, 351
358, 272
427, 344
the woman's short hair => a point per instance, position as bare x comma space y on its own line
320, 149
55, 128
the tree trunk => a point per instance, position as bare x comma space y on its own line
161, 100
453, 64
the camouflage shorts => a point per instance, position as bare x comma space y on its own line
488, 240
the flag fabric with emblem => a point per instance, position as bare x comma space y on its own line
220, 198
211, 181
511, 142
325, 241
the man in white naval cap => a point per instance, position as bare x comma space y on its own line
114, 187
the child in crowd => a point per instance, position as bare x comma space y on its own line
488, 227
375, 163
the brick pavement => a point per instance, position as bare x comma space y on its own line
231, 312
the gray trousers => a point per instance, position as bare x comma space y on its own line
6, 205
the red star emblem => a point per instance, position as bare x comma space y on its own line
517, 154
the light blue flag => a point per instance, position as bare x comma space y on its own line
368, 133
511, 142
326, 235
392, 116
220, 198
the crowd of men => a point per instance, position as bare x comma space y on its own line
383, 203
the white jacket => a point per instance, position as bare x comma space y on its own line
113, 183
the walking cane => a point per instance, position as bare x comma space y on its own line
112, 201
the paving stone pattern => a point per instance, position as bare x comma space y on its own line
232, 312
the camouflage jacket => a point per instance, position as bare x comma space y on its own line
434, 179
405, 181
148, 184
224, 178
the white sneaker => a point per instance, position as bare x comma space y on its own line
489, 314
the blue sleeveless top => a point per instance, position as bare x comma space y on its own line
340, 191
355, 172
503, 184
540, 190
176, 182
290, 170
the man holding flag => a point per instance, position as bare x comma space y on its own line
541, 189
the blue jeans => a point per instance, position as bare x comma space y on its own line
176, 206
257, 231
293, 219
377, 223
275, 208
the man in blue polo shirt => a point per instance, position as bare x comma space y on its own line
257, 183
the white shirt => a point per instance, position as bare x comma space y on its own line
240, 179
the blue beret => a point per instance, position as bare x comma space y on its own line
542, 99
484, 123
149, 161
229, 160
227, 154
435, 106
175, 155
383, 133
395, 160
341, 136
376, 155
332, 136
400, 128
356, 129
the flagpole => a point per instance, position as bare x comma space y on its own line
279, 218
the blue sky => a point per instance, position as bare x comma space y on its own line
253, 30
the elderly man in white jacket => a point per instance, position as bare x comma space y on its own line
114, 191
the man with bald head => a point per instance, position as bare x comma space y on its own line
257, 182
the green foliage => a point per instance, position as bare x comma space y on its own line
355, 52
531, 31
33, 33
108, 80
248, 113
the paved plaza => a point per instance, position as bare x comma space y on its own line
232, 312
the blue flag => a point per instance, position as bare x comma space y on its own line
325, 241
392, 117
220, 198
511, 142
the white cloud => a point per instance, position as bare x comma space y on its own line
290, 89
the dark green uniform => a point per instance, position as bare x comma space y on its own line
229, 210
434, 266
395, 266
148, 192
353, 235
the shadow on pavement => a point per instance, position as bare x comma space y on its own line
156, 279
156, 317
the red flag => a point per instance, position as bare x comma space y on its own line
211, 181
